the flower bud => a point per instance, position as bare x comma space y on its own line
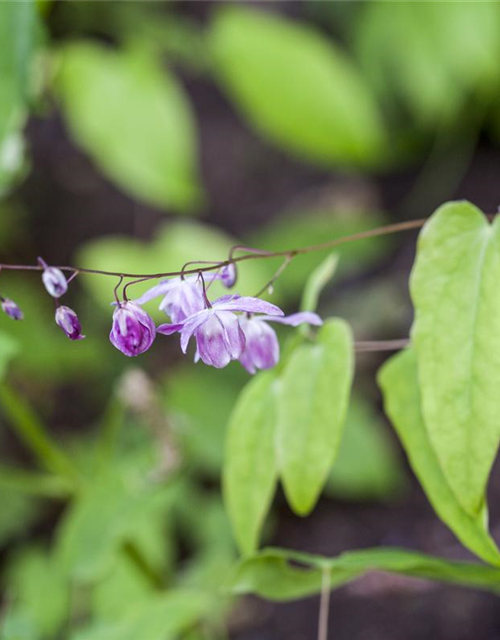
133, 330
53, 279
228, 275
67, 319
11, 309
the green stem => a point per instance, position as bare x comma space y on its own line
39, 484
135, 555
31, 431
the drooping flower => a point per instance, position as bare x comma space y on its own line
219, 337
133, 330
67, 319
262, 349
53, 279
11, 309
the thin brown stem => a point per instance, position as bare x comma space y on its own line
252, 254
381, 345
324, 605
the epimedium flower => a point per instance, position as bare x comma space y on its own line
262, 349
182, 297
219, 336
228, 275
67, 319
133, 330
53, 279
11, 309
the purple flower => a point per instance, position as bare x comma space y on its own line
53, 279
11, 309
262, 350
67, 319
219, 337
133, 330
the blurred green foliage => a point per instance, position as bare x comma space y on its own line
139, 545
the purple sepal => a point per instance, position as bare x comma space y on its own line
262, 349
296, 319
67, 319
53, 279
133, 330
11, 309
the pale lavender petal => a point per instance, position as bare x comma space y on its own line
211, 343
233, 334
53, 279
295, 319
158, 290
248, 304
184, 298
191, 325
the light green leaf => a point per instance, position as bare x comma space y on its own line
250, 469
312, 405
8, 349
317, 281
367, 466
271, 575
133, 119
454, 56
398, 380
456, 336
38, 588
296, 87
160, 618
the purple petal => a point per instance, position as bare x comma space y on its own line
248, 304
296, 318
184, 298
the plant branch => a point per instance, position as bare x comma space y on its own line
251, 254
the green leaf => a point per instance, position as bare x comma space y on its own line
367, 466
250, 469
39, 590
8, 349
296, 87
133, 119
317, 281
398, 380
18, 37
312, 404
456, 336
271, 575
161, 617
454, 56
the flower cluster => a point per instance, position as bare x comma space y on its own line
233, 327
56, 285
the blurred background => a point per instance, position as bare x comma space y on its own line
139, 135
